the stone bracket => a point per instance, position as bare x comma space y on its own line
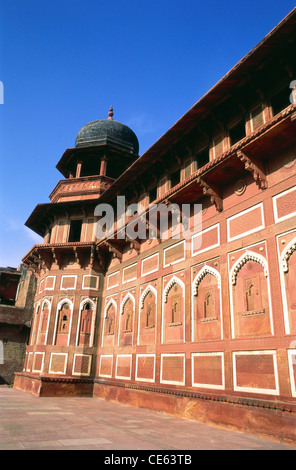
213, 192
116, 253
254, 167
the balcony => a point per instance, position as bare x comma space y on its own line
86, 187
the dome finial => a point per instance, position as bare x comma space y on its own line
110, 114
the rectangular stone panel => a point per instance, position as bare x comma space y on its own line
173, 369
174, 253
129, 273
82, 364
285, 204
255, 371
50, 282
113, 280
150, 264
123, 366
106, 363
38, 362
145, 367
246, 222
68, 282
205, 240
207, 370
57, 363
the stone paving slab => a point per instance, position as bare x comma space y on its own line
67, 423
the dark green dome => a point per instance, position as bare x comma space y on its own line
108, 131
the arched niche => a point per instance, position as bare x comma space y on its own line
109, 324
63, 323
173, 317
86, 320
206, 305
127, 315
288, 275
250, 297
147, 316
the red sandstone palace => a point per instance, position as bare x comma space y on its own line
203, 327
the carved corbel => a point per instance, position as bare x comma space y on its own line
255, 168
101, 259
134, 244
213, 192
116, 253
293, 118
77, 259
55, 257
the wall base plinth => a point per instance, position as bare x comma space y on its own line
271, 420
44, 386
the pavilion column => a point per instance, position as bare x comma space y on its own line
103, 168
78, 169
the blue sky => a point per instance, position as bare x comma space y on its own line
64, 63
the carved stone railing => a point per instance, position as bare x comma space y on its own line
90, 186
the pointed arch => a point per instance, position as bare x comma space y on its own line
148, 289
128, 296
59, 307
108, 306
286, 254
201, 274
171, 283
247, 256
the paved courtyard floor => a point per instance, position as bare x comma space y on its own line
62, 423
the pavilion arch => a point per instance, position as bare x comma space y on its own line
201, 274
171, 283
33, 331
247, 256
148, 289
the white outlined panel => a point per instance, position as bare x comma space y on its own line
62, 371
171, 356
69, 276
87, 373
152, 269
275, 199
141, 379
111, 277
104, 356
199, 236
170, 248
42, 362
118, 359
242, 214
292, 369
206, 385
92, 276
124, 280
265, 391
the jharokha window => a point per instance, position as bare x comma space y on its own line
147, 318
63, 325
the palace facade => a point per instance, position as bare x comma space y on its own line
203, 326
